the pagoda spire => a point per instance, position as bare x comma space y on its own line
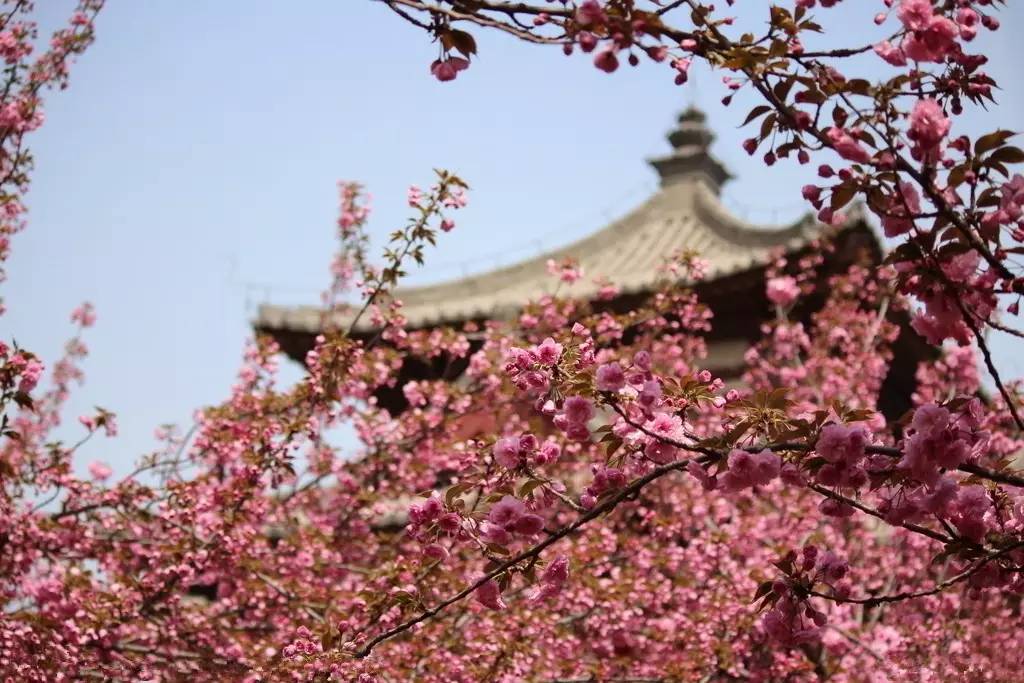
691, 156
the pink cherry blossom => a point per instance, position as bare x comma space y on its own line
548, 352
928, 124
553, 579
248, 546
841, 444
606, 61
932, 43
100, 470
610, 377
578, 410
507, 511
590, 12
892, 54
916, 15
903, 207
847, 146
84, 315
746, 470
506, 452
489, 595
448, 69
782, 290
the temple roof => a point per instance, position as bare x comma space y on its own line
685, 213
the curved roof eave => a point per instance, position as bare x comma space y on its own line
681, 215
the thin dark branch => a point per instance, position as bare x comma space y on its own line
916, 528
938, 588
483, 20
990, 364
606, 506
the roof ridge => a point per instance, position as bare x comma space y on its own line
685, 213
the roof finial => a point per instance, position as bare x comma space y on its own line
691, 131
691, 142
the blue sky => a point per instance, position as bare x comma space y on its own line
189, 173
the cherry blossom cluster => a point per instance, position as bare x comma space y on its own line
941, 193
574, 494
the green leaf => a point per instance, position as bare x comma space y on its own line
957, 175
403, 597
527, 488
1008, 155
859, 86
991, 141
456, 491
778, 15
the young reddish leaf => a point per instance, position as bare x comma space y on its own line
463, 42
759, 110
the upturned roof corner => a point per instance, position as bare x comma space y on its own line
686, 213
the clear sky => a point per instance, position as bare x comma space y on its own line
189, 173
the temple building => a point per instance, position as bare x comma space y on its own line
685, 213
